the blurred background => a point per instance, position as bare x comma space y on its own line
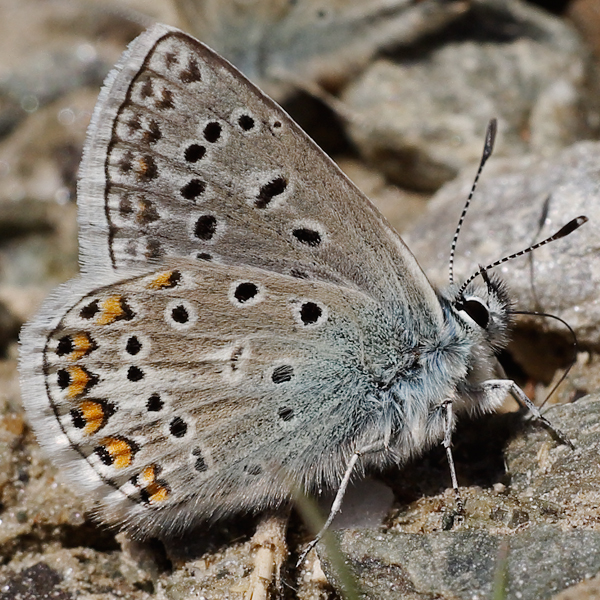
399, 94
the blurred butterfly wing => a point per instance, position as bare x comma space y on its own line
234, 30
186, 158
274, 41
164, 395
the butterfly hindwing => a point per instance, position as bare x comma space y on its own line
172, 389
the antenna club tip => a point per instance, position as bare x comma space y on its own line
571, 226
490, 139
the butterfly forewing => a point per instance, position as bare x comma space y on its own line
175, 387
187, 158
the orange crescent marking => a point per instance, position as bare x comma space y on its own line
162, 281
79, 381
93, 413
111, 310
83, 345
120, 452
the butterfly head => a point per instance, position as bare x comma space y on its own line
485, 309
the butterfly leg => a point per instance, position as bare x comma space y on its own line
339, 497
447, 443
496, 389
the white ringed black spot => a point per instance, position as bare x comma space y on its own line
133, 345
194, 152
245, 293
135, 374
244, 121
308, 234
205, 227
180, 314
178, 427
270, 190
309, 313
193, 189
154, 403
212, 132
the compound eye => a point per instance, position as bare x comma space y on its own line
477, 310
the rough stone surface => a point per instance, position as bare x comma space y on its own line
420, 117
445, 565
558, 483
529, 539
586, 590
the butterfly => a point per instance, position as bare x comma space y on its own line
246, 323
